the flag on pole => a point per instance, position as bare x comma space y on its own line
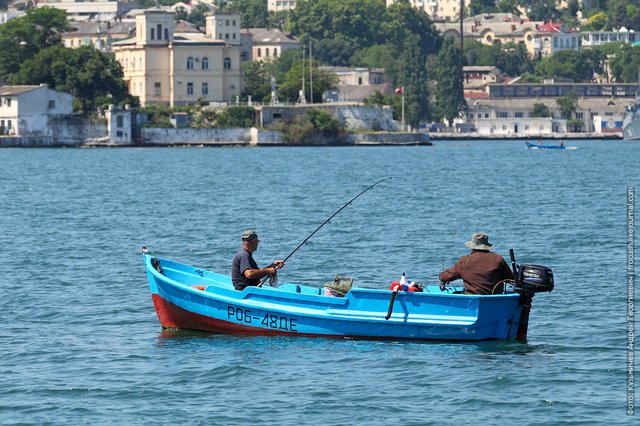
400, 90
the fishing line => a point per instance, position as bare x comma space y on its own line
332, 216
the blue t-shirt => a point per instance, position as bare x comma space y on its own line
242, 261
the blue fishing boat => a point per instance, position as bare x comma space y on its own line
187, 297
543, 146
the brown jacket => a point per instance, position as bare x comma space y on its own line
480, 271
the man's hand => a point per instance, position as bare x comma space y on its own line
278, 264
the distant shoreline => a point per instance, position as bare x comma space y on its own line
558, 136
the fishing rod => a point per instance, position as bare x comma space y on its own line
329, 219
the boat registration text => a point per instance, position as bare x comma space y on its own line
268, 320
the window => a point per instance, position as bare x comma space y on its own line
166, 34
205, 63
52, 104
205, 89
7, 102
119, 121
266, 52
153, 33
502, 114
189, 63
518, 115
226, 36
259, 52
359, 81
579, 115
227, 22
220, 36
157, 88
504, 127
227, 63
275, 52
189, 88
234, 22
159, 32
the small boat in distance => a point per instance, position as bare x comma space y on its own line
540, 145
187, 297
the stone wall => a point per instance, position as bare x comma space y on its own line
61, 131
355, 116
383, 138
188, 136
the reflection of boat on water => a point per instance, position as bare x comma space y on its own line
542, 146
631, 122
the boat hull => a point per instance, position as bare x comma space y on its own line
631, 130
537, 146
190, 298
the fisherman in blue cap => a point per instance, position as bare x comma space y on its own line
244, 269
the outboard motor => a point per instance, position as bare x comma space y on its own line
535, 278
530, 279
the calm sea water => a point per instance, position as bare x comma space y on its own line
80, 342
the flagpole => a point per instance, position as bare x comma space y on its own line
403, 128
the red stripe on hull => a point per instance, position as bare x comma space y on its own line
173, 316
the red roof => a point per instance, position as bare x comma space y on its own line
550, 27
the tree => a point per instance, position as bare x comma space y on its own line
625, 64
597, 21
291, 81
511, 58
323, 122
449, 93
257, 79
254, 13
539, 10
477, 7
414, 39
237, 116
22, 38
197, 15
567, 104
569, 64
92, 77
508, 6
540, 110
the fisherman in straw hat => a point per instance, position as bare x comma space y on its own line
244, 269
481, 270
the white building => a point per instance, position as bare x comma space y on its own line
26, 110
263, 44
551, 38
97, 10
511, 116
8, 15
280, 5
598, 38
437, 9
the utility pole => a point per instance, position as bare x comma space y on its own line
461, 29
301, 96
310, 73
